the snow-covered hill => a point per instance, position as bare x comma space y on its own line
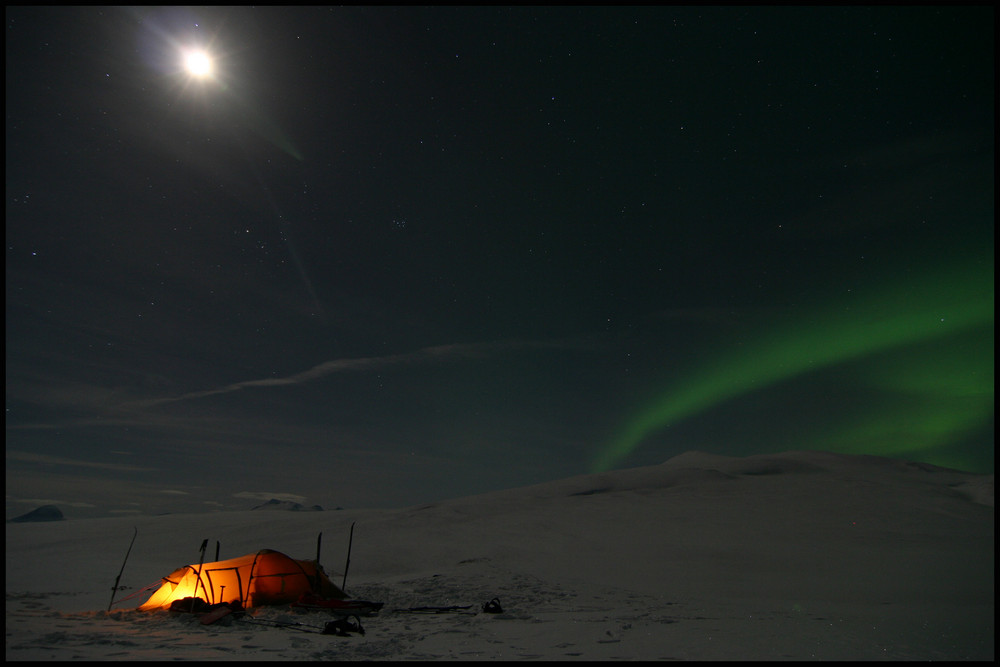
801, 555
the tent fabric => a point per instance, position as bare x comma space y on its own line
261, 578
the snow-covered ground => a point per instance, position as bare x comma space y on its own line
801, 555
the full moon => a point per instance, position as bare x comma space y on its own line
198, 64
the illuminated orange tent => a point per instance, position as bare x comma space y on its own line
262, 578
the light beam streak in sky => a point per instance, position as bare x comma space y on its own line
933, 306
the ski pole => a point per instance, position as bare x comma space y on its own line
204, 545
315, 584
114, 589
347, 565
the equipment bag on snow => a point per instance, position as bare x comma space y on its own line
492, 607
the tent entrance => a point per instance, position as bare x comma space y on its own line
225, 586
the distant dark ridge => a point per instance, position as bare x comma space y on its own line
288, 506
43, 513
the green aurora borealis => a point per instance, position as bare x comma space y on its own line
925, 344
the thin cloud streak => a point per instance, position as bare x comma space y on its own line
45, 459
445, 353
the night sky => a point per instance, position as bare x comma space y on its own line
379, 257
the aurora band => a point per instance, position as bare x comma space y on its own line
955, 300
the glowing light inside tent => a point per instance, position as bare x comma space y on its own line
261, 578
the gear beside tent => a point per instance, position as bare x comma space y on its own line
266, 577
